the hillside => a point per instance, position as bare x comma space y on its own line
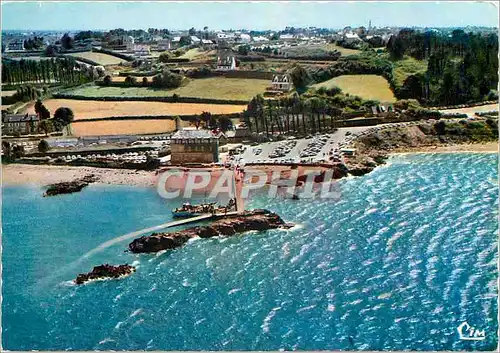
365, 86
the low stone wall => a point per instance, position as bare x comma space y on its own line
113, 53
260, 75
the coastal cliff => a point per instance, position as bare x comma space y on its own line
373, 148
259, 220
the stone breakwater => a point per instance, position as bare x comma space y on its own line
259, 220
105, 271
69, 187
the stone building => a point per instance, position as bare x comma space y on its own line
194, 146
21, 124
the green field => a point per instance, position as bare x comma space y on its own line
214, 88
100, 58
343, 51
365, 86
406, 67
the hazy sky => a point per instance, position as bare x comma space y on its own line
263, 15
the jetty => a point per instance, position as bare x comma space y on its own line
203, 217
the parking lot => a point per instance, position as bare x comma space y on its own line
312, 149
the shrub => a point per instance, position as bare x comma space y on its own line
200, 72
62, 117
179, 52
165, 57
167, 80
130, 81
107, 80
145, 81
43, 146
404, 104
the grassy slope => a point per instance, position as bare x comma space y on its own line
343, 51
198, 54
406, 67
214, 87
103, 59
365, 86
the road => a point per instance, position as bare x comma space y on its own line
470, 111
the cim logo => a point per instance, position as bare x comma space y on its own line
469, 333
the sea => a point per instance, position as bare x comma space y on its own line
399, 261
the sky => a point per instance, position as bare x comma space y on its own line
242, 15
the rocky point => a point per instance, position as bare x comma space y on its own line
259, 220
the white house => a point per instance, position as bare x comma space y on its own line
207, 44
260, 39
245, 38
195, 40
286, 37
351, 37
128, 41
226, 36
282, 82
226, 62
142, 50
163, 44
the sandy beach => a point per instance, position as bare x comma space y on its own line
18, 174
490, 147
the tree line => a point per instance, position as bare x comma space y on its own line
291, 115
63, 116
65, 71
462, 67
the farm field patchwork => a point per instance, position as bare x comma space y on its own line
365, 86
102, 59
98, 109
213, 88
123, 127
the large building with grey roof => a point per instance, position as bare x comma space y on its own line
194, 146
21, 124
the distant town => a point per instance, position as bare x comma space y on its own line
114, 98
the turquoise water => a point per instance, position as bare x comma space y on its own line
406, 255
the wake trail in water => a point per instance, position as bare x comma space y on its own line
120, 239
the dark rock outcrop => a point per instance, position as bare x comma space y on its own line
70, 186
259, 220
105, 271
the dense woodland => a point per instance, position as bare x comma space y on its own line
462, 67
